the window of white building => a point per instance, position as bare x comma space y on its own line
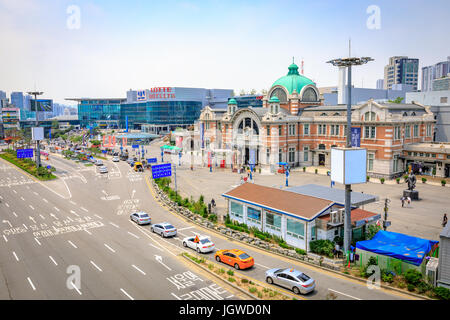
295, 228
273, 221
416, 130
237, 210
254, 215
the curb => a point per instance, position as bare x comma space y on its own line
220, 278
298, 260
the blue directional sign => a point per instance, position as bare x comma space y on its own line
355, 136
24, 153
135, 146
161, 170
49, 167
104, 151
152, 160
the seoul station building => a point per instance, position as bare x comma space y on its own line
161, 106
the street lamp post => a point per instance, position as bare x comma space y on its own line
348, 63
38, 151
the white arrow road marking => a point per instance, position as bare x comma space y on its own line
7, 221
109, 248
53, 260
4, 237
32, 219
15, 256
37, 241
98, 268
133, 235
130, 297
115, 225
159, 259
31, 284
55, 217
84, 209
15, 214
71, 243
75, 287
138, 269
45, 200
344, 294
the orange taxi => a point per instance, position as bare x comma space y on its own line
236, 258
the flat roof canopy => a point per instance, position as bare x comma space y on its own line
333, 194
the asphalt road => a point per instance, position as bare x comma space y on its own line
117, 259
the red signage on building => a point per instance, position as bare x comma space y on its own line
161, 93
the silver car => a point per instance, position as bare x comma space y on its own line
103, 169
291, 279
140, 218
164, 229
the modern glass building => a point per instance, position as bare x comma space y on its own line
99, 112
246, 101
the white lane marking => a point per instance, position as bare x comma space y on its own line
51, 258
54, 217
115, 225
84, 209
6, 204
14, 191
72, 202
88, 231
137, 237
98, 268
15, 214
22, 198
138, 269
45, 200
31, 207
31, 284
344, 294
229, 296
262, 265
1, 197
56, 209
15, 256
186, 228
75, 287
175, 296
4, 237
70, 219
35, 193
37, 241
148, 235
130, 297
109, 248
98, 216
28, 187
72, 244
71, 211
159, 259
156, 247
24, 226
43, 218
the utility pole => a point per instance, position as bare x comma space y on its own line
38, 151
386, 223
348, 63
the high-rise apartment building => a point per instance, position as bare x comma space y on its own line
436, 71
380, 83
17, 99
2, 95
401, 70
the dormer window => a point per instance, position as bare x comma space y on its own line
369, 116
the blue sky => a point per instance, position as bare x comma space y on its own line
213, 44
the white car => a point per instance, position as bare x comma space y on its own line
98, 162
164, 229
103, 169
115, 159
140, 218
202, 245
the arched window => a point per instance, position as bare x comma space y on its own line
248, 123
369, 116
321, 146
413, 113
309, 95
336, 114
405, 114
280, 94
323, 114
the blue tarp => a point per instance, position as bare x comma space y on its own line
398, 245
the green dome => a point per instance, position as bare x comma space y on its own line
274, 99
232, 101
293, 80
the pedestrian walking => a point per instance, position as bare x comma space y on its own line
408, 199
403, 201
444, 220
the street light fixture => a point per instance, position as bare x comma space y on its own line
38, 151
348, 63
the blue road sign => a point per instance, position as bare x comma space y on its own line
135, 146
152, 160
49, 167
161, 170
104, 151
24, 153
355, 136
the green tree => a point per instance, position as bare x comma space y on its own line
371, 231
396, 100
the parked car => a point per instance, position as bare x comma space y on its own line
201, 244
115, 159
164, 229
140, 218
98, 162
103, 169
291, 279
236, 258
